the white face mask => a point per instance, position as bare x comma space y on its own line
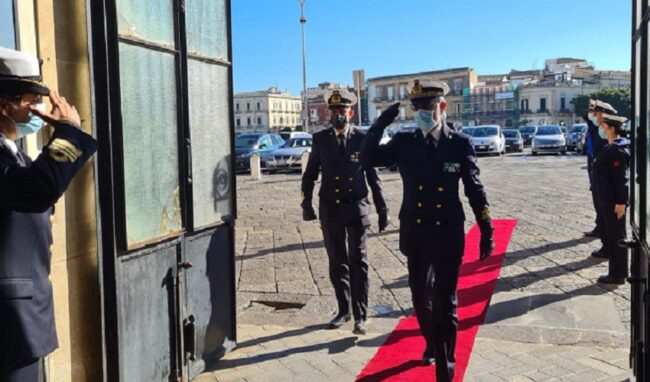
593, 118
424, 120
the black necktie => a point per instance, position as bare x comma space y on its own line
341, 139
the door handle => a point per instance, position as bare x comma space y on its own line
628, 243
185, 265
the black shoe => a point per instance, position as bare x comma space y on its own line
600, 254
607, 279
360, 327
339, 320
428, 357
593, 233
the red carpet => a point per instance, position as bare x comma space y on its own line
398, 359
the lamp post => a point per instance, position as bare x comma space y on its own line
305, 109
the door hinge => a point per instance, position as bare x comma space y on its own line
628, 243
185, 265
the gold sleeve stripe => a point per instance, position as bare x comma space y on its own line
62, 150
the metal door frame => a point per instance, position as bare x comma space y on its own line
640, 304
106, 96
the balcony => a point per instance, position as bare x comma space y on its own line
525, 111
542, 110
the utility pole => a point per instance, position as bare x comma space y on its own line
305, 109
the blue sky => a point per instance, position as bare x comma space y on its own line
387, 37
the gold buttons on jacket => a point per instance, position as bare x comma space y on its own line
51, 219
438, 222
441, 189
419, 204
338, 201
350, 179
51, 248
337, 190
438, 205
418, 221
337, 177
420, 187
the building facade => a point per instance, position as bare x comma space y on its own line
267, 110
386, 90
549, 102
492, 101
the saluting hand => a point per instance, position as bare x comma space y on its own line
619, 210
62, 111
387, 117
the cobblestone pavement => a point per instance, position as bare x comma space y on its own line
548, 319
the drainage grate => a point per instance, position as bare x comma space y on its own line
279, 305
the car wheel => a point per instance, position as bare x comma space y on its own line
563, 152
534, 152
272, 171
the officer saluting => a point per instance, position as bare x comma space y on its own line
432, 159
595, 145
612, 183
28, 191
343, 207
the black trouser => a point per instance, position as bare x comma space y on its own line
600, 225
20, 371
433, 278
348, 264
614, 231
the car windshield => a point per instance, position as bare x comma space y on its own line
511, 133
298, 142
527, 129
548, 130
467, 130
246, 140
578, 128
485, 132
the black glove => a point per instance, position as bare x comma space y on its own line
487, 240
386, 118
383, 219
308, 212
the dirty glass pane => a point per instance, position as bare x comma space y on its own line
210, 134
151, 21
206, 28
148, 93
7, 27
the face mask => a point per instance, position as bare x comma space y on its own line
602, 133
424, 120
339, 121
34, 124
593, 119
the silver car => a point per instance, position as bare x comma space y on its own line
289, 155
577, 136
549, 139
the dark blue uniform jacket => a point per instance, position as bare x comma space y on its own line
431, 177
343, 191
612, 174
28, 191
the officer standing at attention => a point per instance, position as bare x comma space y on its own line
595, 145
343, 207
612, 182
432, 159
28, 191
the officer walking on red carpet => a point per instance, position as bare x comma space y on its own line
432, 159
343, 207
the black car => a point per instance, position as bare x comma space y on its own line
261, 144
514, 141
527, 133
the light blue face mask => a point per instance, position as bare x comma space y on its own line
593, 119
32, 126
424, 120
602, 133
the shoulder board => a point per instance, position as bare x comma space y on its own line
407, 129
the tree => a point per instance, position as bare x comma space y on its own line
619, 98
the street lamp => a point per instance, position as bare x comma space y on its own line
305, 110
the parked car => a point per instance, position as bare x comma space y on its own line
289, 155
488, 139
514, 141
260, 143
527, 133
565, 132
549, 139
286, 135
577, 137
